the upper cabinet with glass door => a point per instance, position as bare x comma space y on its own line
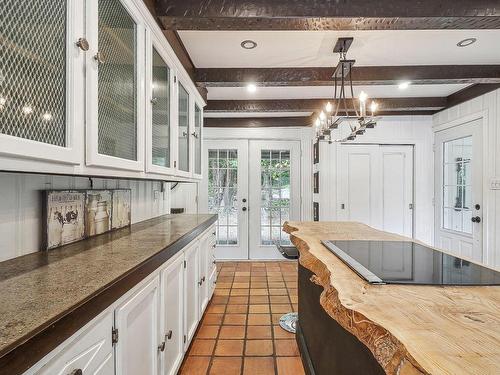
159, 140
197, 140
183, 132
115, 85
39, 117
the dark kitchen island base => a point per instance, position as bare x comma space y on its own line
326, 347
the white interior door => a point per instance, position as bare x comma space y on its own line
274, 194
458, 190
375, 186
226, 180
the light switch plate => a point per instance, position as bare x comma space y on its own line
495, 183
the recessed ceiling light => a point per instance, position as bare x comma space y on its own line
466, 42
404, 85
248, 44
251, 87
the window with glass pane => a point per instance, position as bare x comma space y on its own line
33, 70
457, 185
117, 82
222, 193
197, 140
183, 129
275, 196
160, 111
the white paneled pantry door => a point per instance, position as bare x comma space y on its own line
254, 187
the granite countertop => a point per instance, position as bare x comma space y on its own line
410, 329
38, 289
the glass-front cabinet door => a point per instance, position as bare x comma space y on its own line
158, 121
40, 67
197, 139
115, 74
183, 136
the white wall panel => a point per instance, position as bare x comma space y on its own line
21, 206
486, 107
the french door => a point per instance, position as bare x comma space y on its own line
458, 190
254, 187
375, 186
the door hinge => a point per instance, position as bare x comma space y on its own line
185, 264
114, 335
184, 339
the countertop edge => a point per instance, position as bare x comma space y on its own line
23, 353
389, 352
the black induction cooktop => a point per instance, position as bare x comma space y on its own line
398, 262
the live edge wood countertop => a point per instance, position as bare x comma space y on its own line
45, 297
409, 329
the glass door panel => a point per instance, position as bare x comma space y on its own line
33, 70
160, 108
198, 123
183, 144
117, 81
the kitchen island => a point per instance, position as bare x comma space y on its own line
393, 329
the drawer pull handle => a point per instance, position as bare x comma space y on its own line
161, 347
168, 336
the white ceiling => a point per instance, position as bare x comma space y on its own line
320, 92
221, 49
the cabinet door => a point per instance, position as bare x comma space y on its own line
115, 85
41, 80
183, 135
159, 143
191, 292
204, 275
137, 321
91, 352
197, 140
172, 302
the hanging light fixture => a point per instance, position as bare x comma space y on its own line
344, 109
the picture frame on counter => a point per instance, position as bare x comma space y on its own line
73, 215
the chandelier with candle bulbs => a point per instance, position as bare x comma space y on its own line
348, 115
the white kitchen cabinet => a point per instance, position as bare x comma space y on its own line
115, 85
172, 314
197, 138
207, 266
41, 94
137, 325
191, 291
91, 352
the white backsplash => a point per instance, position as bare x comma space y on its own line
21, 205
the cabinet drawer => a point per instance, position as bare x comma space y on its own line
91, 352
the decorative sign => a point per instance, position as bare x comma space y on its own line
73, 215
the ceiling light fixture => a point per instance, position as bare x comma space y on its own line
248, 44
344, 109
466, 42
404, 85
251, 87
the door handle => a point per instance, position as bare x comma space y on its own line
476, 219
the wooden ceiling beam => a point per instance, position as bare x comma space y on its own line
469, 93
304, 105
257, 122
327, 15
364, 75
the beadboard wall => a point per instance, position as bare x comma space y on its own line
21, 206
486, 107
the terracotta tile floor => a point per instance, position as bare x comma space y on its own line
239, 333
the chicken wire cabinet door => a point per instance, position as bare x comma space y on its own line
41, 80
197, 139
115, 85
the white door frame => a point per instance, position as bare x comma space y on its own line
468, 127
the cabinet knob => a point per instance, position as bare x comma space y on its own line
83, 44
99, 57
476, 219
213, 246
154, 101
76, 372
194, 134
161, 347
168, 336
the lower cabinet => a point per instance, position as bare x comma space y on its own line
137, 330
172, 306
148, 330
